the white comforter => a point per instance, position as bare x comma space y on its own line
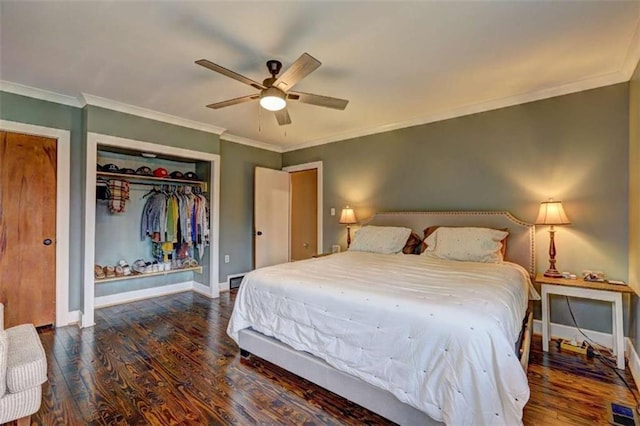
437, 334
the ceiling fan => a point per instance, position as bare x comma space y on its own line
275, 91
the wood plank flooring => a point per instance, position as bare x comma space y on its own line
169, 360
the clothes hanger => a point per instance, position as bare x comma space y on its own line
152, 191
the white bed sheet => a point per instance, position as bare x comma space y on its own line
437, 334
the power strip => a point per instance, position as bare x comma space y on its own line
567, 346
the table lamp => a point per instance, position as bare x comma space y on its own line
552, 213
348, 217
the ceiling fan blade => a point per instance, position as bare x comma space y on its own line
222, 70
302, 67
235, 101
283, 117
319, 100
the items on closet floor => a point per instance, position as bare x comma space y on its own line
141, 267
177, 220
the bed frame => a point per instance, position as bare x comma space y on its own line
520, 249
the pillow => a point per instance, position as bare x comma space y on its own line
414, 244
380, 239
431, 229
466, 244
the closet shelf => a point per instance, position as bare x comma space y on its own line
197, 269
152, 180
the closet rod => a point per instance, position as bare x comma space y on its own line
202, 186
161, 184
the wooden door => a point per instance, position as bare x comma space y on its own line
271, 217
304, 214
27, 228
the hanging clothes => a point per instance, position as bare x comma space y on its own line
176, 215
118, 195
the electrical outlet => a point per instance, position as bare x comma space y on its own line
227, 259
335, 248
333, 211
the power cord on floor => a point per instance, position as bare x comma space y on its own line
603, 358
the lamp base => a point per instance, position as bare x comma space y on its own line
552, 273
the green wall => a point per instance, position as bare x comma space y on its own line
49, 114
236, 203
236, 183
573, 148
634, 201
115, 123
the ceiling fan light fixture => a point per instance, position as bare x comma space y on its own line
272, 99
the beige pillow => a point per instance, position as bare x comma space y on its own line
466, 244
431, 229
380, 239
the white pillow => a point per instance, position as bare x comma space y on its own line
380, 239
466, 244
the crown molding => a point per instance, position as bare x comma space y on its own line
250, 142
624, 74
573, 87
87, 99
92, 100
45, 95
632, 59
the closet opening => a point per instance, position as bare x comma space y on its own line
151, 222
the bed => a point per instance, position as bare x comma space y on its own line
416, 339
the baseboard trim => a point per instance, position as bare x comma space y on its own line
224, 286
566, 332
73, 317
202, 289
634, 361
147, 293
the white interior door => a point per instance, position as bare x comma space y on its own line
271, 217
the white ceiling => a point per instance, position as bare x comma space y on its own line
399, 63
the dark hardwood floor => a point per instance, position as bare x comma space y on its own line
169, 360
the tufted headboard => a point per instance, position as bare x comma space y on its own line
520, 244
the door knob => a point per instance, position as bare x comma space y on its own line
259, 233
47, 241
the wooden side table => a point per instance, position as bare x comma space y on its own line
587, 290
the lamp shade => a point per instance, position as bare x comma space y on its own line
348, 216
272, 99
552, 213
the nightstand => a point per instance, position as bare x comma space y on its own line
587, 290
